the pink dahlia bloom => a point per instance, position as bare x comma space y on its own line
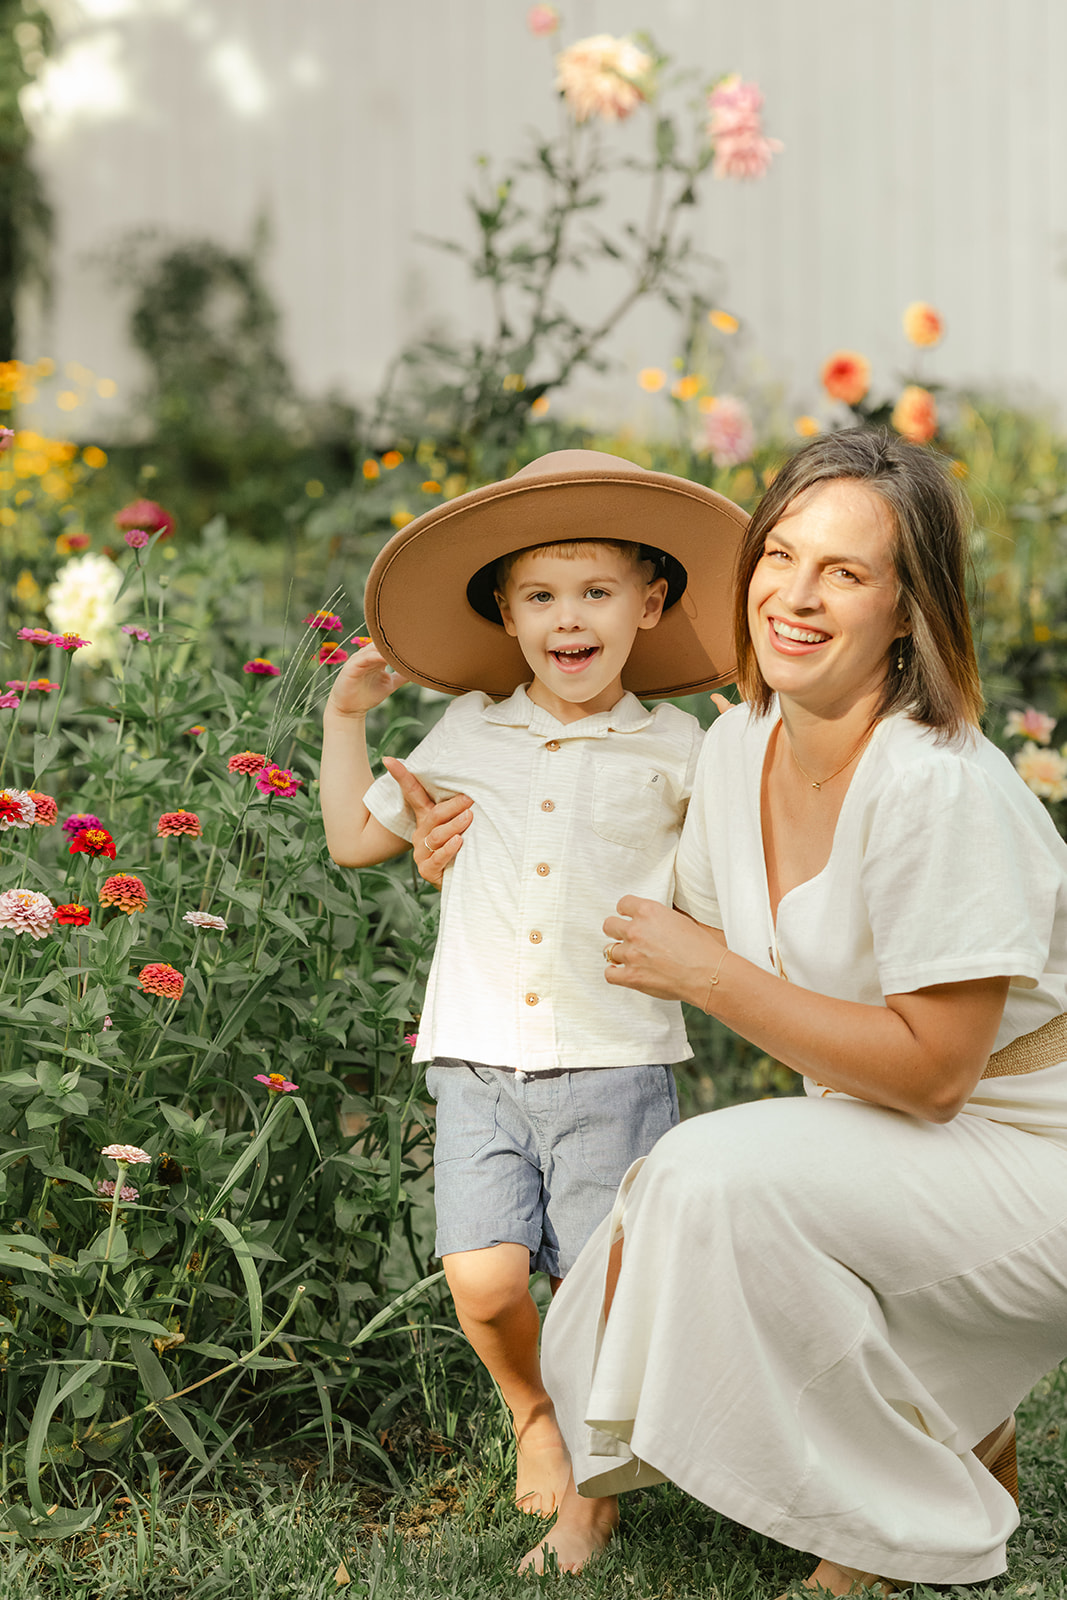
735, 128
1030, 724
145, 514
131, 1155
728, 431
277, 780
106, 1187
542, 21
603, 77
26, 911
17, 809
276, 1082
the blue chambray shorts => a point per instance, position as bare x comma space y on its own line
538, 1160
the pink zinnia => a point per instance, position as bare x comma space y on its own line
41, 636
332, 652
411, 1040
125, 891
131, 1155
276, 1082
135, 632
106, 1188
45, 809
79, 820
1030, 724
17, 809
277, 780
7, 439
246, 761
728, 431
742, 149
136, 538
26, 911
159, 977
144, 514
42, 685
9, 701
69, 641
361, 639
177, 822
16, 683
262, 668
328, 621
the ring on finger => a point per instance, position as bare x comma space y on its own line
608, 948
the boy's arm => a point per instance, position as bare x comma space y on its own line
353, 836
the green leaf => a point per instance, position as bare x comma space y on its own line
49, 1401
157, 1385
395, 1307
245, 1262
179, 1424
22, 1258
45, 750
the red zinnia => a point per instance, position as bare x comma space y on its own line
93, 842
124, 891
145, 514
10, 809
159, 977
181, 821
74, 914
46, 811
246, 761
332, 652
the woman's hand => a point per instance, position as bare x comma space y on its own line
365, 680
439, 827
661, 952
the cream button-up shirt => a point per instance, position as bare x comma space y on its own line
568, 818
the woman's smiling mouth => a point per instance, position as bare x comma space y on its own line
787, 637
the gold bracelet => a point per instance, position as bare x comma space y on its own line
713, 982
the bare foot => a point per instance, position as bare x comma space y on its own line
582, 1529
544, 1467
839, 1580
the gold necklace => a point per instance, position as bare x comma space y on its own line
857, 750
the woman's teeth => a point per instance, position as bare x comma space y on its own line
799, 635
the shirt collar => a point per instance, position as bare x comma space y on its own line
519, 711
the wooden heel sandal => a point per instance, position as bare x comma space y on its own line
998, 1456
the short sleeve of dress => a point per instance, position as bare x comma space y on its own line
958, 877
694, 880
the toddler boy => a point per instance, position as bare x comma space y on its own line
549, 1083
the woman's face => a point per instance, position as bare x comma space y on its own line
823, 612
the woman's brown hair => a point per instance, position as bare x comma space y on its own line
938, 684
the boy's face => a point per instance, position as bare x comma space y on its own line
576, 618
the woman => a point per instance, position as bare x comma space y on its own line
820, 1307
817, 1315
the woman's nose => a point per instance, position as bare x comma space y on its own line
800, 590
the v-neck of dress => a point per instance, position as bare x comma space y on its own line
772, 910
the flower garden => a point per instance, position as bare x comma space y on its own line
216, 1225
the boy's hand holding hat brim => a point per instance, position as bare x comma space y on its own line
421, 618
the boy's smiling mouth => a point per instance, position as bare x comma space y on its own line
570, 658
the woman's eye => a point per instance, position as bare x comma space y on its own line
772, 554
850, 577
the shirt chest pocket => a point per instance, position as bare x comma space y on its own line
628, 801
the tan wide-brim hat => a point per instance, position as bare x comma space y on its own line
429, 598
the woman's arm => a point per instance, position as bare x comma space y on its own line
921, 1053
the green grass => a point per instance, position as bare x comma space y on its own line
280, 1532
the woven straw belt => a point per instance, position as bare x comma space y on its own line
1045, 1047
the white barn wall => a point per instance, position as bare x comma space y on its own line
926, 158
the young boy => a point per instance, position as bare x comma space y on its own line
549, 1083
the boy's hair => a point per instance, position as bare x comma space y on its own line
573, 550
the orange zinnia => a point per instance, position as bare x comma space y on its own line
922, 324
915, 415
846, 376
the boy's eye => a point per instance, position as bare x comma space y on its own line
540, 597
596, 593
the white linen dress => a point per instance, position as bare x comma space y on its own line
825, 1304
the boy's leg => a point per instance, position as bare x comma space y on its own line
491, 1291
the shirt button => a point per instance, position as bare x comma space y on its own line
543, 869
548, 805
535, 937
553, 744
532, 999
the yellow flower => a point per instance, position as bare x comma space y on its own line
514, 383
723, 321
687, 388
27, 590
454, 484
540, 405
431, 486
922, 324
706, 403
66, 400
93, 456
806, 426
1042, 633
401, 518
7, 517
371, 470
651, 379
106, 388
314, 489
43, 368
